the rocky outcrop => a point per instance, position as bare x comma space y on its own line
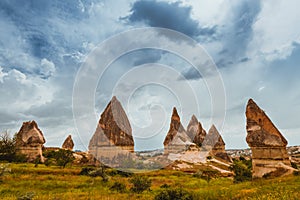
68, 143
214, 143
30, 140
177, 139
267, 144
195, 131
113, 135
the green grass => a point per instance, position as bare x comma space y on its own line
56, 183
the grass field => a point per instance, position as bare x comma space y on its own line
55, 183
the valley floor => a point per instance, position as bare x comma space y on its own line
43, 182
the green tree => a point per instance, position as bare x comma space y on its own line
140, 184
61, 157
7, 147
242, 170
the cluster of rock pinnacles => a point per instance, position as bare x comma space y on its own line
113, 135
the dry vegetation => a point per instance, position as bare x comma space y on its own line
25, 181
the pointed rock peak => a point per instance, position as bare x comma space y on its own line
68, 143
176, 133
114, 99
195, 131
194, 119
261, 130
29, 133
213, 130
175, 113
113, 128
252, 105
213, 138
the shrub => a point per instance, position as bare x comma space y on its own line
119, 187
174, 194
294, 165
95, 172
165, 186
140, 184
86, 170
242, 170
114, 172
8, 151
27, 196
61, 157
296, 173
207, 174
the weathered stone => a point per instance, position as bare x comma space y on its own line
68, 143
214, 143
113, 135
195, 131
214, 140
177, 139
267, 144
30, 140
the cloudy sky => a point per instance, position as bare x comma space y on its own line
255, 46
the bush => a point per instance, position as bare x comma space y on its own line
140, 184
27, 196
174, 194
294, 165
242, 170
8, 151
86, 171
61, 157
114, 172
207, 174
119, 187
95, 172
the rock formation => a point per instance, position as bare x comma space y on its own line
30, 140
113, 135
195, 131
177, 139
68, 143
214, 143
268, 146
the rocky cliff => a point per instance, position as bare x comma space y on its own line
113, 135
268, 146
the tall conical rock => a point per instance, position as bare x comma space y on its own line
268, 146
261, 131
195, 131
177, 139
68, 143
30, 140
215, 144
214, 140
113, 134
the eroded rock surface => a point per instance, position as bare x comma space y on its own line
113, 135
68, 143
195, 131
267, 144
30, 140
214, 143
177, 139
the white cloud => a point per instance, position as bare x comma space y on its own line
2, 74
21, 92
47, 67
277, 28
